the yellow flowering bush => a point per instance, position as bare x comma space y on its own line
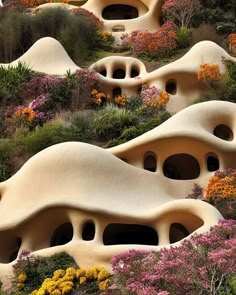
63, 281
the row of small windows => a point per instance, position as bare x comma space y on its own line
180, 166
114, 234
170, 87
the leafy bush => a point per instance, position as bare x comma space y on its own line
17, 27
220, 13
203, 264
49, 22
111, 121
183, 37
11, 79
5, 163
35, 141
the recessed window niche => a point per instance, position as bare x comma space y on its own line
119, 12
181, 167
62, 235
171, 86
224, 132
129, 234
119, 74
88, 231
150, 162
212, 163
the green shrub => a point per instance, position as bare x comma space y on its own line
11, 79
49, 22
79, 127
111, 121
35, 141
15, 35
5, 163
183, 36
79, 38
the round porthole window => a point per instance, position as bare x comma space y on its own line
224, 132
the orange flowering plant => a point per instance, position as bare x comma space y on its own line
154, 97
209, 72
232, 39
120, 100
221, 192
99, 98
221, 185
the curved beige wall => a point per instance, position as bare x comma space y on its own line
76, 183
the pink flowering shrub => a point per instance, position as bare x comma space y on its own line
93, 19
158, 44
181, 11
204, 264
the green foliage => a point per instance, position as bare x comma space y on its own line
78, 128
17, 27
10, 82
111, 121
78, 38
5, 164
35, 141
183, 36
49, 22
220, 13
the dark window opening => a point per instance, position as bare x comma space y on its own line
15, 252
62, 235
119, 74
116, 91
182, 167
177, 232
150, 162
117, 234
171, 87
212, 163
119, 11
134, 73
88, 232
103, 73
224, 132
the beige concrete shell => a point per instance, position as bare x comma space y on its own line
123, 16
182, 73
94, 203
46, 55
147, 17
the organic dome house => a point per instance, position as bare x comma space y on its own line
117, 147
